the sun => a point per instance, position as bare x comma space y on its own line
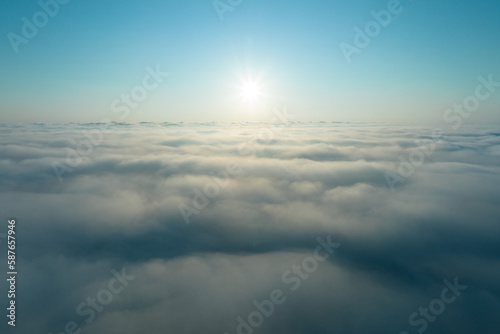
250, 92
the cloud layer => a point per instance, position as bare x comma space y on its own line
119, 207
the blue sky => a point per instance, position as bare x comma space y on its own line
91, 52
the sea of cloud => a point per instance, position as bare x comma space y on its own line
203, 244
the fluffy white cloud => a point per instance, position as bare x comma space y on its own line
118, 204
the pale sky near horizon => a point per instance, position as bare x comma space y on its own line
263, 55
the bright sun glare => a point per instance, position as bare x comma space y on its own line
250, 92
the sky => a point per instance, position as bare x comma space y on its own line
427, 57
250, 167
